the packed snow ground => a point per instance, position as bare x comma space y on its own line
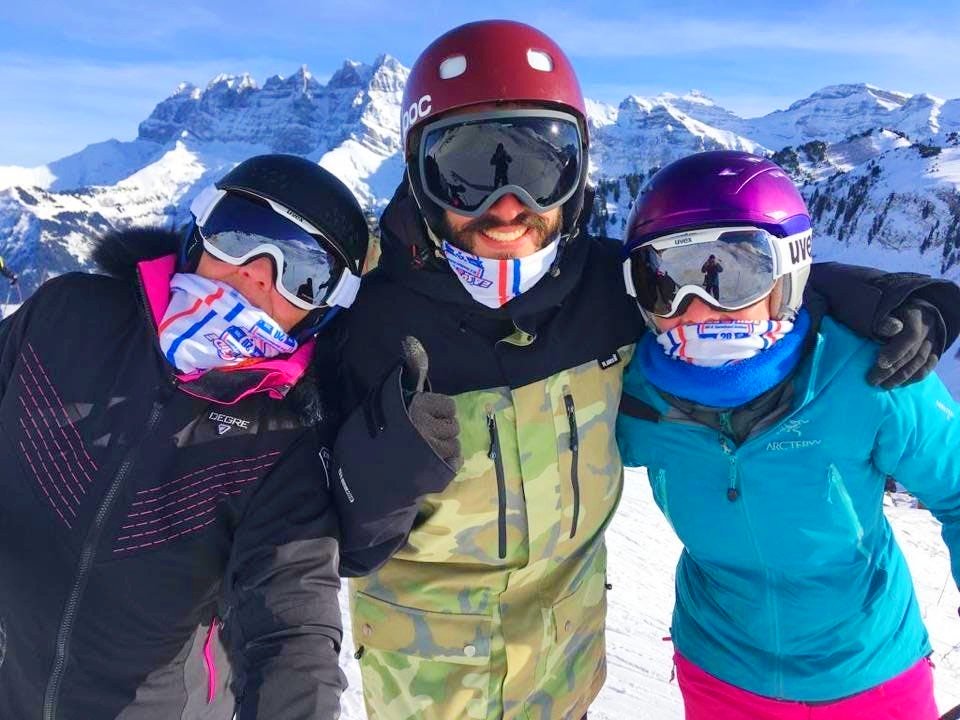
643, 553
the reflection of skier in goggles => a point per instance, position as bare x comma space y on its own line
757, 258
711, 270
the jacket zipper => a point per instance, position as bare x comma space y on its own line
733, 494
51, 697
495, 455
575, 461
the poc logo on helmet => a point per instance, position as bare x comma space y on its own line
417, 110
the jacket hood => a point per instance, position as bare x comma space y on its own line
118, 253
409, 257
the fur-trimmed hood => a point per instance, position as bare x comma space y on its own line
118, 254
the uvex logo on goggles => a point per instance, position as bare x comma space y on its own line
237, 228
467, 163
730, 268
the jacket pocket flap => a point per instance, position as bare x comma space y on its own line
450, 637
584, 609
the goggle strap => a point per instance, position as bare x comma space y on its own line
292, 217
793, 252
346, 290
204, 203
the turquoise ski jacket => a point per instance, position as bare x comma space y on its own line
791, 584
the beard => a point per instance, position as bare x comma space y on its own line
464, 237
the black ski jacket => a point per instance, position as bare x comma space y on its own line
140, 521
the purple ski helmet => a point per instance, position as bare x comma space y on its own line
717, 189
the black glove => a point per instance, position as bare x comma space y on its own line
399, 445
433, 415
914, 333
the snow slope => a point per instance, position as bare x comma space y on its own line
643, 553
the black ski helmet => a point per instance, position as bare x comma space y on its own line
304, 188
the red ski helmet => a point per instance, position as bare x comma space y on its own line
490, 61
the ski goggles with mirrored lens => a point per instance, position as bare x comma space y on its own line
237, 228
467, 163
729, 268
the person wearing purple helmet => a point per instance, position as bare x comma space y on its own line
768, 450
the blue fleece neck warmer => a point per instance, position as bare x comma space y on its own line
727, 386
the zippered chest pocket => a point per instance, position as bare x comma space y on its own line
588, 469
495, 453
826, 520
478, 519
571, 410
712, 528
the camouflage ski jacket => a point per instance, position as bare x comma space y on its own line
495, 607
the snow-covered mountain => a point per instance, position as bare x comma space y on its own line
351, 125
880, 169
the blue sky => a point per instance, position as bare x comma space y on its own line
72, 73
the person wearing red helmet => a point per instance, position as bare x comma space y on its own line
494, 605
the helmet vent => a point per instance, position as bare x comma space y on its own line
729, 172
453, 66
539, 60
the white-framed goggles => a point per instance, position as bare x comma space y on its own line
728, 267
310, 271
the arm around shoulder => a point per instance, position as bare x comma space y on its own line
862, 297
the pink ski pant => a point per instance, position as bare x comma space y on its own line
909, 696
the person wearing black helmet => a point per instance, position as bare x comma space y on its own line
168, 543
